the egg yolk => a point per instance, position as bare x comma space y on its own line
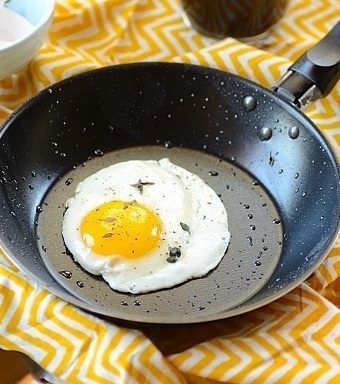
129, 229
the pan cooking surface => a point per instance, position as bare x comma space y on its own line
252, 255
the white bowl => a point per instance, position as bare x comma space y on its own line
15, 55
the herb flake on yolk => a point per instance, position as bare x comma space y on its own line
128, 229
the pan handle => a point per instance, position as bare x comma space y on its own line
314, 74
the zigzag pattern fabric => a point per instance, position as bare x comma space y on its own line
295, 339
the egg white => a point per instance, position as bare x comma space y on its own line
178, 196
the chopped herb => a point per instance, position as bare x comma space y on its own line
185, 227
175, 251
108, 219
140, 185
172, 259
109, 234
130, 203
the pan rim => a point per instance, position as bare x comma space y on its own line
291, 109
46, 91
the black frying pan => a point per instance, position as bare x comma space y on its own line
272, 168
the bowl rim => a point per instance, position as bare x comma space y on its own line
44, 19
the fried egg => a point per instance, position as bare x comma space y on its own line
145, 225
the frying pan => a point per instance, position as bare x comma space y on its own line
270, 165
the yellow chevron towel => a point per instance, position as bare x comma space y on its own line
296, 339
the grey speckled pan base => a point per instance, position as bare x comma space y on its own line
250, 260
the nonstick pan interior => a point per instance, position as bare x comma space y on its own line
252, 255
192, 107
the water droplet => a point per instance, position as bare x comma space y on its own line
296, 175
62, 154
43, 248
249, 103
250, 239
276, 221
169, 115
255, 182
252, 227
54, 144
280, 171
69, 181
38, 209
213, 173
66, 274
136, 303
30, 187
257, 263
168, 144
293, 132
265, 133
80, 284
246, 206
233, 159
265, 248
303, 194
124, 303
250, 216
98, 152
201, 308
33, 174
